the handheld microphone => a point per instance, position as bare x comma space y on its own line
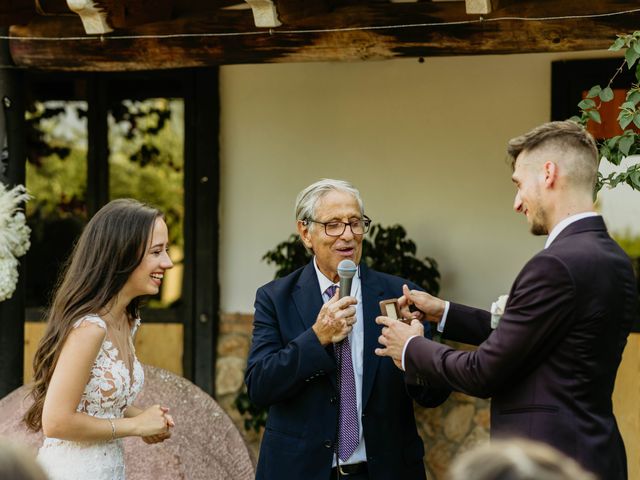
346, 271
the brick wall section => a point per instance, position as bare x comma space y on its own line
455, 426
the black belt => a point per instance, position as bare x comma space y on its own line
351, 469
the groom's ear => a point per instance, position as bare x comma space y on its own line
550, 172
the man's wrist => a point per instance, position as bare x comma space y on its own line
443, 318
324, 341
404, 350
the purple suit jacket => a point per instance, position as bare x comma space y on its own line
551, 364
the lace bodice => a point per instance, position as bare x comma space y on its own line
111, 387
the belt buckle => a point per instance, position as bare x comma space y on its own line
342, 472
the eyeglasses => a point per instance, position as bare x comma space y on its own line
335, 229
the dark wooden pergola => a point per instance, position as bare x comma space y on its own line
175, 47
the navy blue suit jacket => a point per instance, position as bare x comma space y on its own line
295, 376
550, 365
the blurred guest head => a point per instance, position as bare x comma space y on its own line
516, 459
17, 463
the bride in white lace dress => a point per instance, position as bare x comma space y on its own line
86, 374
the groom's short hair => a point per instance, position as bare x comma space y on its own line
570, 140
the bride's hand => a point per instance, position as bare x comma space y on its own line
152, 421
156, 438
170, 422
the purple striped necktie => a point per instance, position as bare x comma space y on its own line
349, 432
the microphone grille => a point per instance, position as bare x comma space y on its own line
347, 269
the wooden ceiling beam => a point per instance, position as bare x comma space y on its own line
335, 36
295, 11
98, 16
14, 12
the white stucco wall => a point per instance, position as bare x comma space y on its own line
424, 143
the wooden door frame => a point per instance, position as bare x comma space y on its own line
199, 312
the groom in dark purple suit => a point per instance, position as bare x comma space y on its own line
551, 363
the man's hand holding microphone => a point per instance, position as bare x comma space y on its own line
337, 317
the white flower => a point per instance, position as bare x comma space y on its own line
14, 237
497, 309
8, 277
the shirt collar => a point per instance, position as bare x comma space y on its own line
326, 283
565, 223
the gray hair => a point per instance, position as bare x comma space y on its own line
308, 198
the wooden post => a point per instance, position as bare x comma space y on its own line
97, 145
202, 185
12, 172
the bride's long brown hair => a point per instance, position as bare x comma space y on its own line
110, 247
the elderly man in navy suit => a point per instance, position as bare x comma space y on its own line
336, 410
551, 363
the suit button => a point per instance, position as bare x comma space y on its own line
327, 444
333, 400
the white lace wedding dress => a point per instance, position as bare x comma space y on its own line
110, 390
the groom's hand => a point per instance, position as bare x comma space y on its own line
394, 336
429, 307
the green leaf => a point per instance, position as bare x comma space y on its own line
625, 144
606, 95
594, 92
638, 72
624, 119
628, 105
617, 180
634, 178
634, 96
576, 119
636, 46
631, 56
594, 115
617, 45
611, 143
636, 119
586, 104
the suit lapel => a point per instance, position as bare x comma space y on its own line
372, 294
308, 301
307, 297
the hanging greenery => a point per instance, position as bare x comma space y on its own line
618, 147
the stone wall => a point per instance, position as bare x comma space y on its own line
455, 426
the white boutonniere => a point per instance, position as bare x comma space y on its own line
14, 237
497, 309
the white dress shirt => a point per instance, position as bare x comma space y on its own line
560, 226
356, 339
